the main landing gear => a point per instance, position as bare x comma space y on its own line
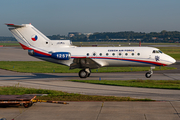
149, 73
84, 73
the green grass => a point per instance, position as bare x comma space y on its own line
161, 84
62, 96
47, 67
9, 44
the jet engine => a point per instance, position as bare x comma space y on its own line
31, 52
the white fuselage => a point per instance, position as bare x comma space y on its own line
115, 56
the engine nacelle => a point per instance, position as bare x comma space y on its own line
31, 52
61, 55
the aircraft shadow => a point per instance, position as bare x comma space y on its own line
35, 76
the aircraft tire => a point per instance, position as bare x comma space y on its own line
148, 74
89, 73
83, 74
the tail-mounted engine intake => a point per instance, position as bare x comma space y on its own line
61, 55
31, 52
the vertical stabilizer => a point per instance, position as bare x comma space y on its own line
28, 36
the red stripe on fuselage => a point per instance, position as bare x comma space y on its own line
25, 47
42, 53
144, 61
112, 58
131, 60
135, 60
36, 51
79, 57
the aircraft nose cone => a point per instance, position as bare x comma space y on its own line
170, 60
173, 61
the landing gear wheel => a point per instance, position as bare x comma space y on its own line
148, 74
83, 74
89, 73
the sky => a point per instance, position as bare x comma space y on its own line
54, 17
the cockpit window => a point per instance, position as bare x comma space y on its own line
156, 51
160, 51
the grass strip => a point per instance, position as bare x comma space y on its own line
10, 44
61, 96
160, 84
47, 67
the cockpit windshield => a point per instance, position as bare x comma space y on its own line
160, 51
157, 51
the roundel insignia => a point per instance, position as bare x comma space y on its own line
34, 37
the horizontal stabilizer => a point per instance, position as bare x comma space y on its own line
13, 25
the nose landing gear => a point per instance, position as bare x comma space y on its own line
149, 73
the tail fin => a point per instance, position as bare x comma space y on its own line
28, 36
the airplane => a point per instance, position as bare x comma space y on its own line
86, 58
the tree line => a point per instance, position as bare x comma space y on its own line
131, 36
163, 36
2, 38
125, 36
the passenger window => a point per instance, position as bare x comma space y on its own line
100, 54
113, 54
132, 54
138, 54
126, 54
94, 54
87, 54
107, 54
119, 54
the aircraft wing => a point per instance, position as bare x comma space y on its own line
84, 63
